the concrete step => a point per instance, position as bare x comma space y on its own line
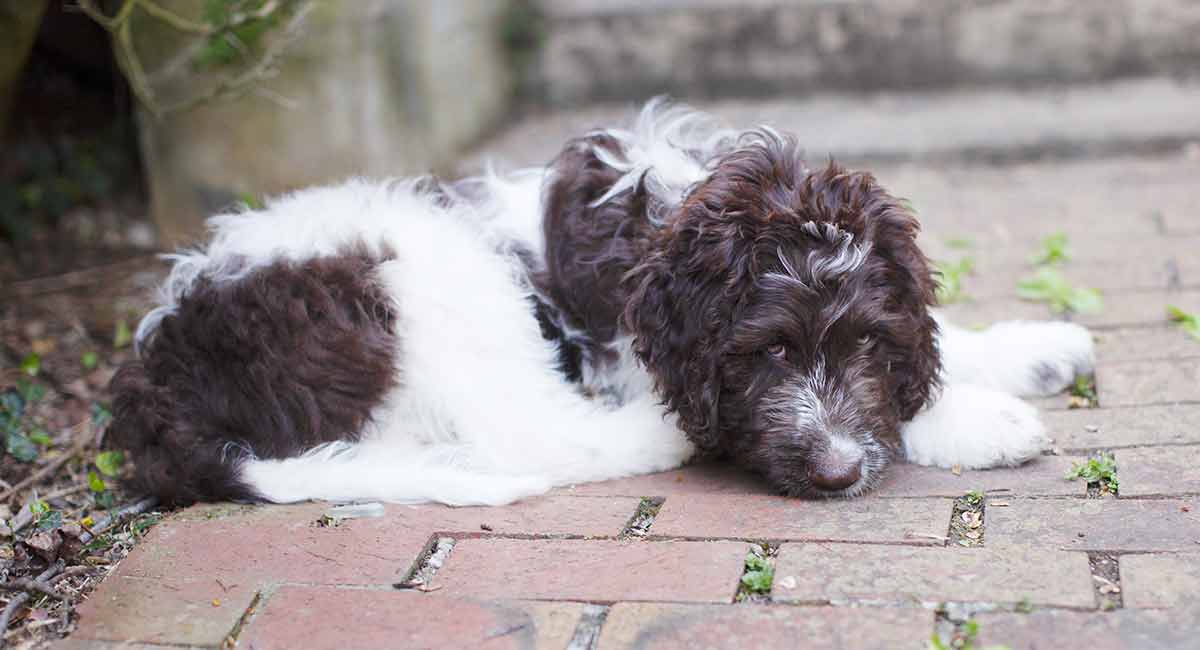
1134, 116
628, 49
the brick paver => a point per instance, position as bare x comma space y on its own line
1096, 524
914, 521
1149, 382
1041, 476
1170, 424
335, 618
165, 609
1161, 580
700, 478
1160, 471
597, 571
644, 626
1122, 630
905, 574
1155, 343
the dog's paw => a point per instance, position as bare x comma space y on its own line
1039, 358
974, 428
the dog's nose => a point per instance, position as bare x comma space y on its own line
835, 476
838, 469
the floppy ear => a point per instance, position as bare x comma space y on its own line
916, 374
679, 349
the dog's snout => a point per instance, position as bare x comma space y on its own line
837, 469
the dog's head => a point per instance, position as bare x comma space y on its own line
784, 315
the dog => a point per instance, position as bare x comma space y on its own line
656, 293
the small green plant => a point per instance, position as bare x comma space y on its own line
759, 574
964, 639
950, 277
960, 243
1100, 470
45, 517
1053, 251
89, 360
974, 497
20, 431
1083, 393
109, 462
122, 336
1050, 287
1189, 323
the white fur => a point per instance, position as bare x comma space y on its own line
483, 416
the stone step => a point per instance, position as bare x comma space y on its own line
629, 49
1150, 115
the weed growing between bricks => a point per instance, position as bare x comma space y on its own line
431, 560
1083, 393
961, 635
758, 574
231, 639
587, 631
639, 525
966, 522
1106, 575
1100, 474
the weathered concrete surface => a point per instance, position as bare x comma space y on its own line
701, 48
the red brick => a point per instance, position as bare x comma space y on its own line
335, 618
653, 626
1125, 427
284, 544
703, 478
1042, 476
597, 571
1160, 580
168, 610
1096, 524
1120, 630
1159, 471
842, 572
1149, 382
916, 521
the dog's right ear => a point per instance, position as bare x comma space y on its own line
678, 348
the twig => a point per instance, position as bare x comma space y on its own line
52, 467
25, 584
19, 599
74, 279
115, 517
71, 572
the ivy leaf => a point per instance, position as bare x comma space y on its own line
49, 520
40, 437
109, 462
89, 360
95, 483
21, 447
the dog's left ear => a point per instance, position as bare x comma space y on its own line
916, 374
680, 350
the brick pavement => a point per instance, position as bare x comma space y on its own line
565, 569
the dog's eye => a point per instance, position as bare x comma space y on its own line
866, 340
777, 350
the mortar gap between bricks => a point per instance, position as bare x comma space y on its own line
758, 573
643, 518
259, 599
432, 558
1106, 579
587, 629
967, 520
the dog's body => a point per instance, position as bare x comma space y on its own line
482, 342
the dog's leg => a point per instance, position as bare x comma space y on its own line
1018, 357
974, 427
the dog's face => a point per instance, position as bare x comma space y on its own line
784, 315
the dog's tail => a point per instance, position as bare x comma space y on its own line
345, 471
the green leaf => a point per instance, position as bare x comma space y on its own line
95, 483
31, 364
21, 447
1050, 287
1189, 323
950, 276
1053, 250
12, 404
30, 392
49, 520
89, 360
109, 462
122, 336
100, 415
40, 437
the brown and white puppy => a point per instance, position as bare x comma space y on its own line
653, 292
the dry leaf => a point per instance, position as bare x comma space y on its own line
956, 470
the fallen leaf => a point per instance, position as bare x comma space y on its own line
956, 470
45, 544
216, 602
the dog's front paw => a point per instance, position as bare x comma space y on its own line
1039, 358
974, 428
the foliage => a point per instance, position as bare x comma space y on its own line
1083, 393
950, 279
973, 497
1053, 251
1050, 287
965, 640
1100, 470
236, 29
22, 433
759, 574
1189, 323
